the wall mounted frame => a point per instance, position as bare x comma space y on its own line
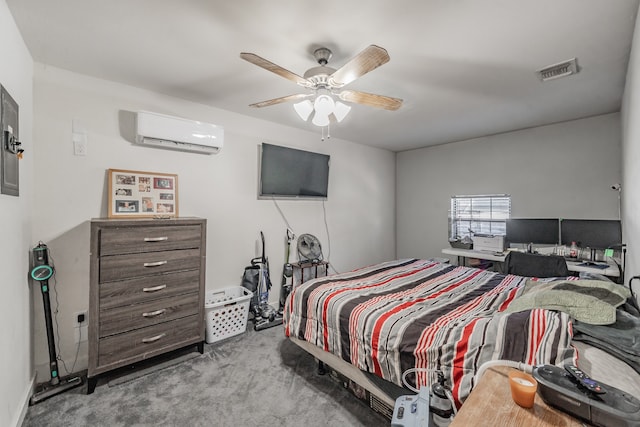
9, 160
135, 194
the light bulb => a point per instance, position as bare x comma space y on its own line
340, 111
304, 109
324, 105
320, 119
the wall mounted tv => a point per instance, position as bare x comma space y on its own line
289, 173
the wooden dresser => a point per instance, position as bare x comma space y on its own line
146, 292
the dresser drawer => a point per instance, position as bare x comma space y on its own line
147, 342
119, 267
129, 317
143, 289
127, 240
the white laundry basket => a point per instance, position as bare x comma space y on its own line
226, 312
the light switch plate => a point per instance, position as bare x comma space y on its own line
80, 144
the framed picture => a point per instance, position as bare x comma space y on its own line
136, 194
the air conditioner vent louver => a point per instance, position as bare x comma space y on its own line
562, 69
176, 133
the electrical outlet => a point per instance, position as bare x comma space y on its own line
80, 326
80, 318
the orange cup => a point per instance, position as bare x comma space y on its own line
523, 388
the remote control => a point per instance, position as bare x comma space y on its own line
584, 380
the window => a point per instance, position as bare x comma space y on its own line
486, 214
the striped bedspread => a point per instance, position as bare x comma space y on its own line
403, 314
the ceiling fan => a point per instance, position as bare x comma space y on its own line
325, 81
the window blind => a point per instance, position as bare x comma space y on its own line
480, 214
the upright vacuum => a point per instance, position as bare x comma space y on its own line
256, 279
41, 271
287, 273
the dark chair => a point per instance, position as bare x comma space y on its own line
535, 265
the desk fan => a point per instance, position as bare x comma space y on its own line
309, 248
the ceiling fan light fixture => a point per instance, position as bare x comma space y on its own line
304, 109
324, 105
320, 119
340, 111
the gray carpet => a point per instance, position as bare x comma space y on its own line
253, 379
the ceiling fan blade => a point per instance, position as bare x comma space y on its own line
370, 99
369, 59
280, 100
274, 68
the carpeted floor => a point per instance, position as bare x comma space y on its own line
253, 379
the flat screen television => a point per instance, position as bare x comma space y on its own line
591, 233
289, 173
533, 230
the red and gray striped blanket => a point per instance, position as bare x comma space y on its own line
403, 314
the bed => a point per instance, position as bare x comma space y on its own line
381, 320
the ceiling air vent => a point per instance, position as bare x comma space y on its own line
562, 69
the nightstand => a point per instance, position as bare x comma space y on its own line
490, 404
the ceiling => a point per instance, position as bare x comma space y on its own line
464, 68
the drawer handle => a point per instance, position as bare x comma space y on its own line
153, 339
156, 239
154, 313
154, 264
154, 288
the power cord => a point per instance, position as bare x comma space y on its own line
500, 362
634, 301
284, 218
621, 266
55, 319
428, 371
414, 371
326, 226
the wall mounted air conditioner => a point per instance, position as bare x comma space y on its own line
175, 133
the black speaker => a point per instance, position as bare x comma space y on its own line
41, 270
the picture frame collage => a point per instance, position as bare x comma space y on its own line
137, 194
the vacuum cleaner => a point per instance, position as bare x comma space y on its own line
256, 279
287, 273
41, 271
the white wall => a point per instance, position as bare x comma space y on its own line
16, 73
222, 188
631, 163
558, 171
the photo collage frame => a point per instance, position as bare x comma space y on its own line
136, 194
